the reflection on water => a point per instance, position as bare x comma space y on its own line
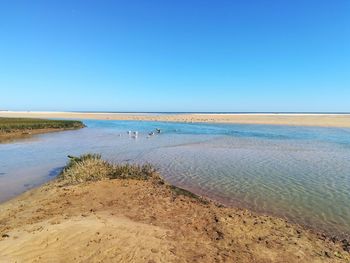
295, 172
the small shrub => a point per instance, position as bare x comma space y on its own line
133, 171
91, 167
86, 168
88, 156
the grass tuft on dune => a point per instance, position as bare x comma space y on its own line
91, 167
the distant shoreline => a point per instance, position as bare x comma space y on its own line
341, 120
188, 112
17, 128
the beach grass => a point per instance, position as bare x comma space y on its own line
17, 128
21, 124
91, 167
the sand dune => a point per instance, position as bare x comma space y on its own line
97, 237
139, 221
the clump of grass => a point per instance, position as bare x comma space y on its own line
133, 171
91, 167
73, 160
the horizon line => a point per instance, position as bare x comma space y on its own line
186, 112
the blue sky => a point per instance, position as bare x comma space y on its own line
175, 55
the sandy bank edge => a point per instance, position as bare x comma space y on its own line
107, 220
318, 120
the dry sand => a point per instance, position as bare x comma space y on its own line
140, 221
322, 120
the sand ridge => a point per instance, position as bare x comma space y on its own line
320, 120
125, 220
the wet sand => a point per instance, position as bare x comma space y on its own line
125, 220
6, 137
321, 120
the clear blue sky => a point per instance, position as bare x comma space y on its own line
178, 55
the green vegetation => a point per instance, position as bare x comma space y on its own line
91, 167
23, 124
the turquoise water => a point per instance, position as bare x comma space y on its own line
300, 173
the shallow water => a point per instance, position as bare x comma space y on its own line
300, 173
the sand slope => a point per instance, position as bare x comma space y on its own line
140, 221
95, 238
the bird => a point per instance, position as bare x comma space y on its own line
158, 130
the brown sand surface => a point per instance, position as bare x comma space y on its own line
126, 220
21, 134
322, 120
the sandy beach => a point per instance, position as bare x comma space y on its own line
127, 220
321, 120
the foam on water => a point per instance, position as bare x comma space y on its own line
299, 173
